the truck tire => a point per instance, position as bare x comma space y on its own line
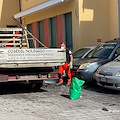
36, 84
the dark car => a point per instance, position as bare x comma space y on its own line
104, 53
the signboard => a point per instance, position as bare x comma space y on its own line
99, 40
32, 55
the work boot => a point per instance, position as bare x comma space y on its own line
60, 82
69, 82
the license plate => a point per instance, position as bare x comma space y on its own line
103, 79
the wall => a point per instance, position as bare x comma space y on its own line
113, 19
30, 3
69, 6
7, 9
93, 20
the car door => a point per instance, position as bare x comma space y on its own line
116, 53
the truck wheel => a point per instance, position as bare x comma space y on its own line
36, 84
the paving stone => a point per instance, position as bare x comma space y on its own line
53, 103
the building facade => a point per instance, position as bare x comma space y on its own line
76, 22
7, 9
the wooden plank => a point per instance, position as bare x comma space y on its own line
12, 43
17, 47
24, 47
10, 35
10, 29
11, 39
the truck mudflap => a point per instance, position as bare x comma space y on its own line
34, 77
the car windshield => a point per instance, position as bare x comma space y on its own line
79, 53
103, 51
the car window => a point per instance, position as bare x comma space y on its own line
79, 53
117, 53
103, 51
89, 54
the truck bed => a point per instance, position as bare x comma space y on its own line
20, 62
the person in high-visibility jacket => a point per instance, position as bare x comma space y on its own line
66, 67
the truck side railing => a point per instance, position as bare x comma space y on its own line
29, 33
13, 37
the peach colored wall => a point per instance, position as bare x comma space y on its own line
94, 23
69, 6
92, 19
30, 3
113, 19
7, 9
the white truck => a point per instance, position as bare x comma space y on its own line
19, 63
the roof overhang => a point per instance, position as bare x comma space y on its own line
39, 7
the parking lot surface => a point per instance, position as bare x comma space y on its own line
51, 102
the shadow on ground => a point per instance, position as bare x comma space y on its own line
66, 96
99, 89
14, 88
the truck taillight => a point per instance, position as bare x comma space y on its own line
3, 77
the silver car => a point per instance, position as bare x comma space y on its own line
83, 52
108, 75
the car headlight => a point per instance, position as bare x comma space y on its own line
117, 74
84, 66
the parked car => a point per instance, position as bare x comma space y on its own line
108, 75
103, 53
82, 52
